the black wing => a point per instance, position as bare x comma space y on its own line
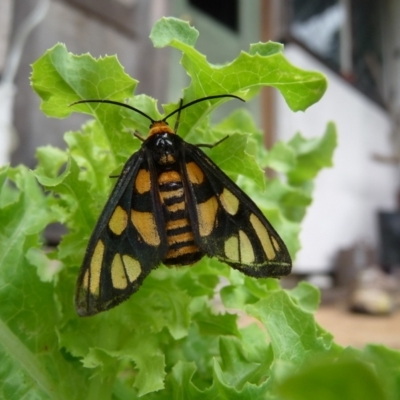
127, 242
226, 223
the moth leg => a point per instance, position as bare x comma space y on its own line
210, 146
139, 136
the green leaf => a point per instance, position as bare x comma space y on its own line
32, 364
169, 29
236, 368
334, 380
180, 385
47, 268
300, 88
70, 188
295, 336
56, 80
233, 157
387, 366
281, 158
50, 161
306, 296
312, 155
216, 324
266, 49
255, 344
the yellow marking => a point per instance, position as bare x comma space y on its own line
167, 159
232, 248
263, 236
276, 244
146, 225
169, 176
207, 212
95, 268
118, 275
173, 253
132, 267
176, 206
118, 220
179, 223
246, 249
86, 279
229, 201
160, 127
180, 238
195, 174
173, 193
143, 181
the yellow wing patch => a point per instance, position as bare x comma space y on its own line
118, 276
229, 201
239, 249
118, 221
263, 236
231, 248
246, 249
195, 174
143, 181
132, 267
124, 270
145, 223
95, 268
275, 243
207, 213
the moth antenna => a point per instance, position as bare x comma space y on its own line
178, 118
180, 108
117, 103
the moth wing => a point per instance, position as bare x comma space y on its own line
127, 242
227, 224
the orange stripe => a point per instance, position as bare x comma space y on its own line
173, 253
180, 238
179, 223
176, 206
170, 194
170, 176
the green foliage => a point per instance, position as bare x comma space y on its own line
178, 337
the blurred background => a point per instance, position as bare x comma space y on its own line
351, 234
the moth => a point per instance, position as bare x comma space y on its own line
172, 204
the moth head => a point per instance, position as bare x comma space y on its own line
164, 148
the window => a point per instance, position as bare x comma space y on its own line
223, 11
346, 35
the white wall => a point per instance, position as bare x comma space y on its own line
346, 197
6, 91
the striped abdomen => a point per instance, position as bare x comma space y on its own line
182, 249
